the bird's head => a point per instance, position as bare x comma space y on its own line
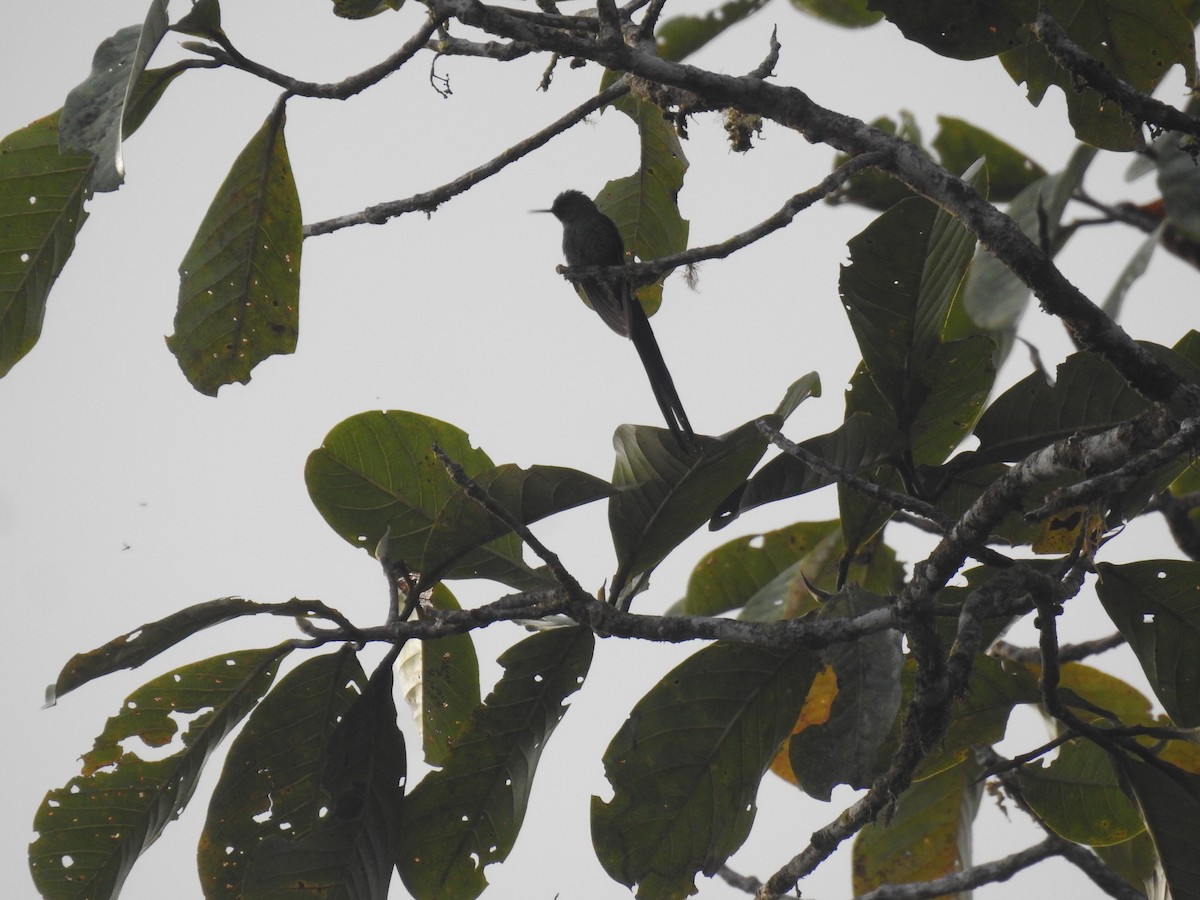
570, 206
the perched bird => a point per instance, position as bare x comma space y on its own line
590, 238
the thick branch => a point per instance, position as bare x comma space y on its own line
1140, 105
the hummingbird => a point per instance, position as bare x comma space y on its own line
590, 238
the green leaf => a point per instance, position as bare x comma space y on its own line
860, 442
872, 566
993, 298
843, 749
376, 475
958, 376
680, 37
1134, 269
203, 20
960, 30
41, 204
1135, 41
94, 113
686, 765
978, 718
981, 716
798, 391
363, 9
462, 525
663, 495
1176, 175
1156, 605
1009, 171
644, 205
1134, 860
440, 679
311, 789
466, 815
239, 286
1088, 395
1079, 796
847, 13
1170, 804
732, 575
91, 832
928, 835
146, 93
149, 640
904, 271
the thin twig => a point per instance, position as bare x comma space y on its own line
649, 271
430, 200
994, 872
229, 55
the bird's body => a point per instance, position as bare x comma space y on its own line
590, 238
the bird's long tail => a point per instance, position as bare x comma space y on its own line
660, 378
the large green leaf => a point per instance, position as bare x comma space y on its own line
733, 575
376, 475
993, 298
1170, 804
847, 13
91, 832
1080, 798
1156, 606
905, 269
843, 749
1009, 171
1135, 860
1136, 40
466, 815
440, 680
686, 765
1088, 395
682, 36
93, 117
960, 30
958, 376
644, 205
41, 206
239, 285
147, 641
978, 718
664, 495
858, 443
311, 789
928, 835
462, 526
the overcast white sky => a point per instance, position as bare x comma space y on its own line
126, 495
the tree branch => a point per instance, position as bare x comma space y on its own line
229, 55
430, 200
1096, 75
985, 873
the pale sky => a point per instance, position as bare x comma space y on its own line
127, 495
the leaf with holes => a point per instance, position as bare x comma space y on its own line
239, 285
91, 832
467, 815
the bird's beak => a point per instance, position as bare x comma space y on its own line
541, 210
